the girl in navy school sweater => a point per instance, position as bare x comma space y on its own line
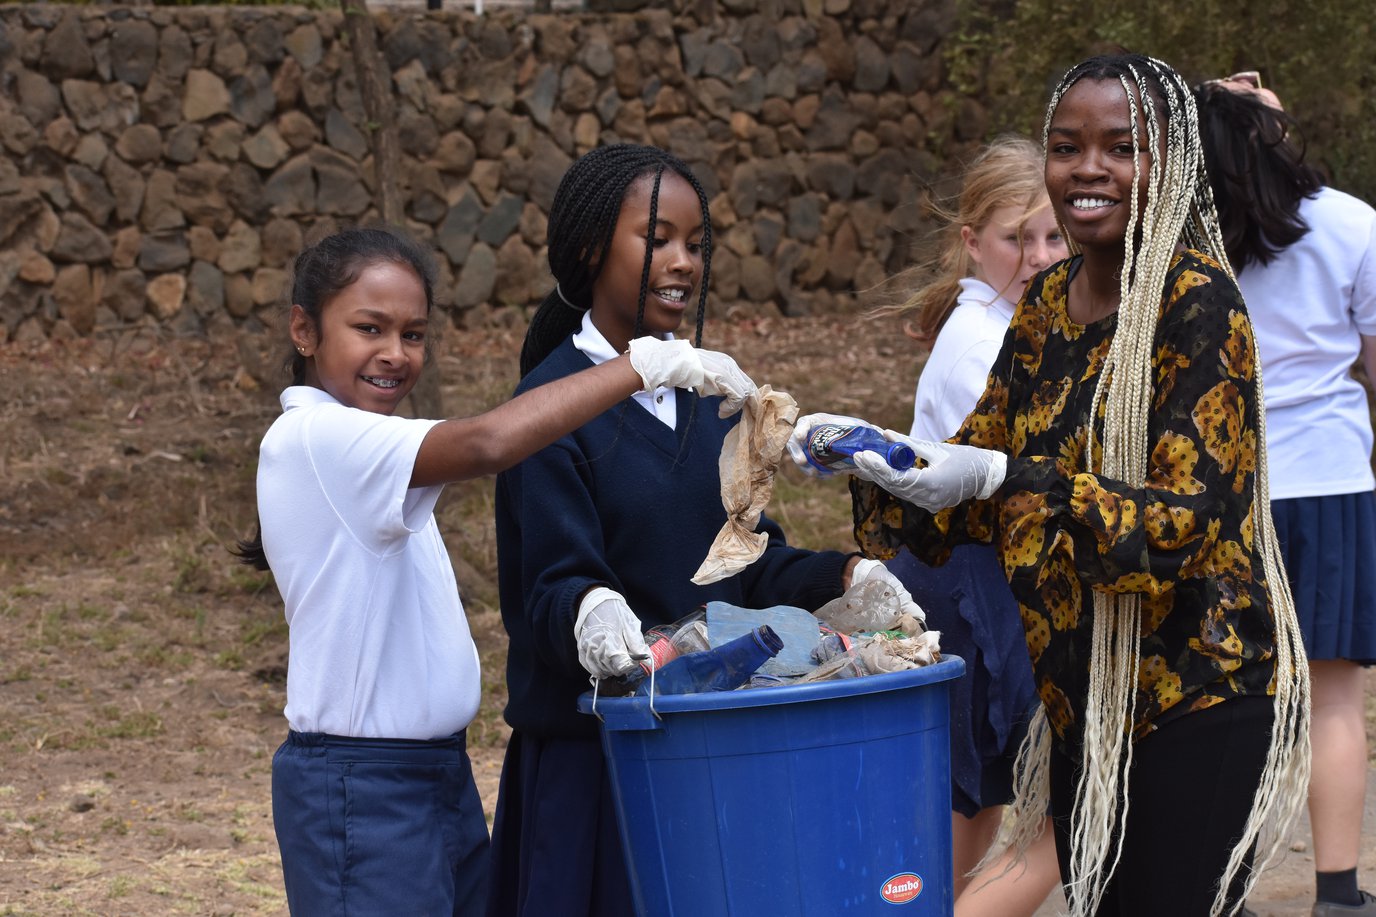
599, 534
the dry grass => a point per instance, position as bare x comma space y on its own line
142, 671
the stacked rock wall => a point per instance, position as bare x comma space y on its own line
166, 163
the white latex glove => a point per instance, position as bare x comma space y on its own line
797, 441
867, 571
608, 634
678, 364
953, 474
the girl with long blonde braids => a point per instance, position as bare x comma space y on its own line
1117, 461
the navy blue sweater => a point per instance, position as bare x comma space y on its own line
625, 502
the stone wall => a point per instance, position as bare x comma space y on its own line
166, 163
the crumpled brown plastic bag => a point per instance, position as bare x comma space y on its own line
749, 457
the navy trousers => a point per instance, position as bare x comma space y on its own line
379, 827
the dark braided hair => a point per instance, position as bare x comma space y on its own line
1258, 174
582, 221
321, 273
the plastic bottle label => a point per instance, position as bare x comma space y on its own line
662, 651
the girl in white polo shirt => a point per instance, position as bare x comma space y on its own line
1305, 256
374, 803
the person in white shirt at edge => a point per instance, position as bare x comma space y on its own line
999, 232
374, 802
1306, 261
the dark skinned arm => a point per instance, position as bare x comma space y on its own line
470, 447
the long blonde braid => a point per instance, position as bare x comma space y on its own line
1179, 210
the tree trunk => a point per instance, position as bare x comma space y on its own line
374, 84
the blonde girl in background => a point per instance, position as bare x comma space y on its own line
997, 234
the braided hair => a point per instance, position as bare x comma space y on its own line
1179, 211
582, 221
319, 274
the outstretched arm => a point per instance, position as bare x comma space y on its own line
470, 447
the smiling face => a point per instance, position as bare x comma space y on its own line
369, 346
674, 272
1007, 255
1089, 164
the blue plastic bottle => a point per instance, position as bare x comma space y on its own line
831, 445
723, 668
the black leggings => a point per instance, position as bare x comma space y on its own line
1190, 793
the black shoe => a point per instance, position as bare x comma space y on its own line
1328, 909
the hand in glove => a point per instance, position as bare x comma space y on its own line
867, 570
797, 441
678, 364
953, 474
608, 634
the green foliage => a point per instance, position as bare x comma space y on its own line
1315, 56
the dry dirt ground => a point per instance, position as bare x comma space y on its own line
142, 671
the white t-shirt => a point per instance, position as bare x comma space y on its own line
958, 368
1309, 306
380, 647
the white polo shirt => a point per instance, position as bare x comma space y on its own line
955, 373
380, 647
1309, 307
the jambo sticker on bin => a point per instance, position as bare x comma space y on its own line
902, 888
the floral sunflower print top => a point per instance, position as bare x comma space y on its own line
1183, 541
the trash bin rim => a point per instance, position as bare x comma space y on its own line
948, 668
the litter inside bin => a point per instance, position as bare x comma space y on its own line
720, 668
869, 606
863, 632
797, 627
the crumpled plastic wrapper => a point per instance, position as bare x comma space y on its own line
749, 457
875, 654
868, 606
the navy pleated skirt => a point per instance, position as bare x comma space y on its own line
1329, 547
968, 600
556, 845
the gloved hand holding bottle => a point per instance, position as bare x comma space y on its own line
954, 473
608, 634
799, 442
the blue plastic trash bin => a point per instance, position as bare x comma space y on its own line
811, 800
